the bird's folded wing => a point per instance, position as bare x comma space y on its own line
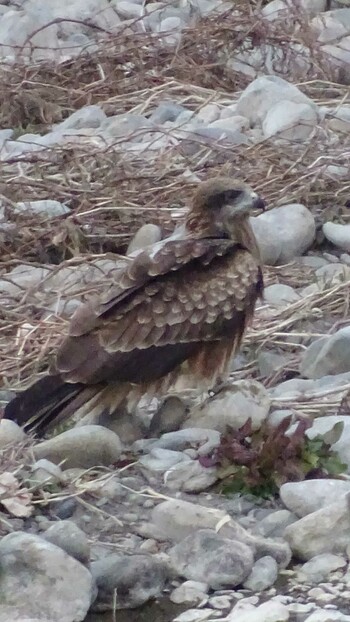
191, 291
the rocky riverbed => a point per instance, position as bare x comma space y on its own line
112, 111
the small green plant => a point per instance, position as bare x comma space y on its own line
259, 462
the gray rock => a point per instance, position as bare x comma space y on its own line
160, 460
263, 574
270, 362
280, 8
21, 278
70, 538
323, 615
127, 581
174, 520
319, 568
290, 121
85, 447
45, 472
327, 355
332, 274
126, 126
194, 615
166, 111
305, 497
232, 123
171, 413
190, 593
190, 476
274, 524
10, 433
50, 583
338, 234
270, 611
310, 536
299, 387
280, 295
207, 556
265, 92
232, 406
207, 440
147, 234
284, 233
88, 116
46, 207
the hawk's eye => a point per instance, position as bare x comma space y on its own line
222, 198
232, 195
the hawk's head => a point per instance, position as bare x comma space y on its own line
225, 203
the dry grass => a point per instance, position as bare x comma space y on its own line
111, 192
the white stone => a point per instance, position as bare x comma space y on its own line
263, 575
232, 406
338, 234
303, 498
269, 611
160, 460
10, 433
86, 446
323, 615
17, 36
319, 568
265, 92
44, 207
88, 116
279, 295
51, 583
283, 8
284, 233
209, 113
290, 121
190, 592
147, 234
190, 476
327, 355
206, 440
232, 123
310, 536
129, 10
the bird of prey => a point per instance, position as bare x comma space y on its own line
179, 307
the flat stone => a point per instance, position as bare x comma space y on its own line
232, 406
48, 208
319, 568
207, 556
280, 295
269, 611
309, 536
263, 574
303, 498
127, 581
327, 355
70, 538
85, 447
147, 235
51, 584
190, 593
290, 121
262, 94
284, 233
10, 433
190, 476
160, 460
338, 234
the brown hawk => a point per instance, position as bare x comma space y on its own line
179, 307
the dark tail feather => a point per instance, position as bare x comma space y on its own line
43, 405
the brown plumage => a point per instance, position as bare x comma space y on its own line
180, 308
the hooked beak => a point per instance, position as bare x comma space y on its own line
259, 204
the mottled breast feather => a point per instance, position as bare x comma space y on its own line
165, 308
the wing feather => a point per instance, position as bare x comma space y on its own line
190, 293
